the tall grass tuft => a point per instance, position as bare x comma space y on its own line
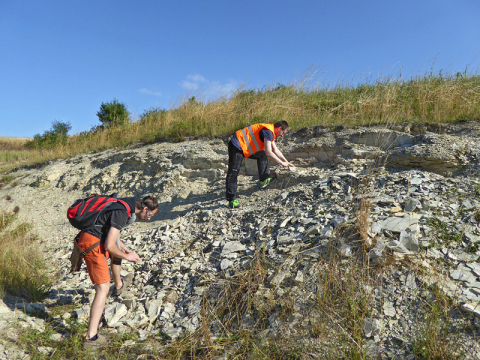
437, 338
343, 298
22, 269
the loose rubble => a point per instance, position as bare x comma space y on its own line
419, 187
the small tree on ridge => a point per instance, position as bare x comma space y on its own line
50, 139
113, 113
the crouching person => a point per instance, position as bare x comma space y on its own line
255, 142
107, 229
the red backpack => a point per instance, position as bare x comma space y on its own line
83, 213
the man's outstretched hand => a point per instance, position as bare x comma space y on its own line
132, 257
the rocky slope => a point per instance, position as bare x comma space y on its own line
401, 200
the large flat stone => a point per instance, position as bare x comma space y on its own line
472, 308
233, 246
114, 312
396, 224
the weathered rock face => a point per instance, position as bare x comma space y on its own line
448, 150
308, 215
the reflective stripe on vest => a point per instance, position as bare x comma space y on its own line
248, 140
254, 139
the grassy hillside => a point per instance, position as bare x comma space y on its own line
429, 98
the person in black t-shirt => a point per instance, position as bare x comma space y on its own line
109, 224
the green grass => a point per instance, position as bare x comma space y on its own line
340, 300
477, 191
7, 179
444, 233
6, 219
437, 338
72, 346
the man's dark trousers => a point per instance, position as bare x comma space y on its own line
235, 158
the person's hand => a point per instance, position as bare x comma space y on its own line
126, 251
287, 164
132, 257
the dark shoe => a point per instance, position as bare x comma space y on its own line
234, 204
127, 280
266, 182
95, 343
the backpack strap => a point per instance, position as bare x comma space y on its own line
85, 252
126, 206
113, 200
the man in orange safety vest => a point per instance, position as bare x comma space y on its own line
255, 142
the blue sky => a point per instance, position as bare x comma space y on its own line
59, 60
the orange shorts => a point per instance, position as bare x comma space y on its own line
96, 259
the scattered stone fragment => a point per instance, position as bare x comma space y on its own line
472, 308
225, 264
389, 309
411, 205
114, 312
371, 327
398, 225
409, 241
231, 247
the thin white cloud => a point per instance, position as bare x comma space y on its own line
150, 92
211, 89
190, 86
224, 89
197, 78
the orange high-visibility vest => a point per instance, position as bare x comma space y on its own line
249, 138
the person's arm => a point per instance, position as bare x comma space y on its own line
274, 154
277, 152
112, 248
123, 247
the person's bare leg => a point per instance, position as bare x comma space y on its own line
96, 311
117, 279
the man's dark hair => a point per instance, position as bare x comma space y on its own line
282, 124
149, 201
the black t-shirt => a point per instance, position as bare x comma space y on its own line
114, 215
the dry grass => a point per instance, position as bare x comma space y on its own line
226, 308
437, 340
364, 191
343, 303
442, 326
12, 143
22, 269
13, 152
429, 98
423, 99
242, 307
